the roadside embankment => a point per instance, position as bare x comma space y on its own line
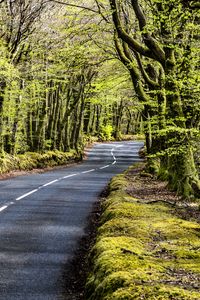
34, 160
147, 246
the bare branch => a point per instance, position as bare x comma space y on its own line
100, 11
74, 5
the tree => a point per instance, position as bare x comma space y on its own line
18, 21
57, 61
155, 37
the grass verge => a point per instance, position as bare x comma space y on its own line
143, 251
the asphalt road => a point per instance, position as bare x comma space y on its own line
43, 216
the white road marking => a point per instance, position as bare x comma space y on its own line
113, 153
49, 183
25, 195
3, 207
68, 176
85, 172
65, 177
33, 191
104, 167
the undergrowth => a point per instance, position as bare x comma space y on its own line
143, 251
33, 160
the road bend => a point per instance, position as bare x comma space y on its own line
43, 216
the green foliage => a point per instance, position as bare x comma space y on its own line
106, 132
131, 137
88, 140
33, 160
55, 72
143, 251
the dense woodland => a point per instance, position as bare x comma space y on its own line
70, 70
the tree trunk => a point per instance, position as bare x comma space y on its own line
66, 141
29, 131
79, 125
183, 176
38, 139
182, 172
129, 119
2, 94
117, 125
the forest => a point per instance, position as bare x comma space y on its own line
76, 71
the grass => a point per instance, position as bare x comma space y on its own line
143, 251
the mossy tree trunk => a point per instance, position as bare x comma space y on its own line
182, 172
117, 125
78, 130
169, 105
18, 101
92, 128
2, 94
39, 134
129, 119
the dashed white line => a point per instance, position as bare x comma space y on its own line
49, 183
85, 172
27, 194
65, 177
3, 207
104, 167
68, 176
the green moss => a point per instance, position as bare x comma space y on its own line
32, 160
143, 252
8, 162
117, 183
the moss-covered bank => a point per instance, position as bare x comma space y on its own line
143, 251
33, 160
